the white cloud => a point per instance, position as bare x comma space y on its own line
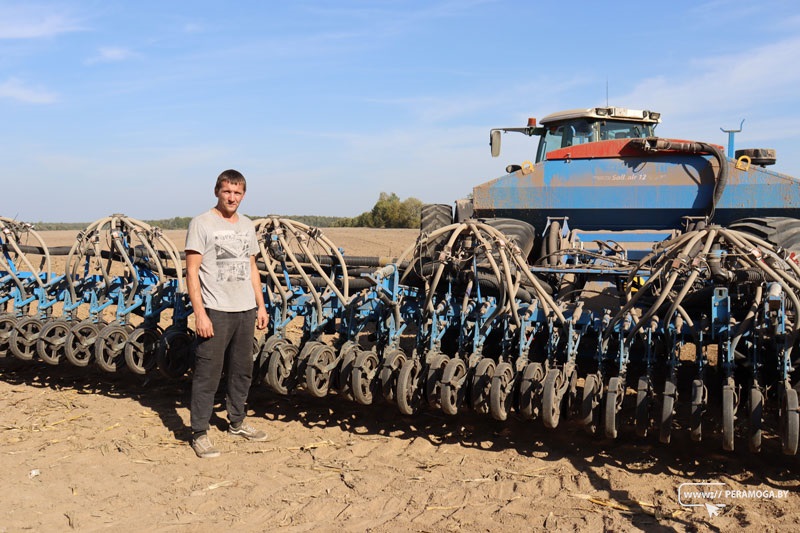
756, 77
758, 84
498, 102
31, 22
111, 55
14, 89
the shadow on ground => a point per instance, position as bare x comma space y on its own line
589, 454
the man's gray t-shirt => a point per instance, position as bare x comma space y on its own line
225, 283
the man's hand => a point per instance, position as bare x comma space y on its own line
203, 326
262, 318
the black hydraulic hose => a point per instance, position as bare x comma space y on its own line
750, 275
138, 252
38, 250
722, 177
353, 260
319, 282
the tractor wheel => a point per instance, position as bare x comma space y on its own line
432, 218
780, 231
520, 233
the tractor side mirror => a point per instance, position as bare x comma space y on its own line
494, 142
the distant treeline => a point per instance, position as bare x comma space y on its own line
388, 212
167, 223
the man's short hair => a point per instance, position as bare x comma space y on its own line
234, 177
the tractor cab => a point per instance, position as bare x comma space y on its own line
580, 126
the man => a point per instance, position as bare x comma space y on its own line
225, 291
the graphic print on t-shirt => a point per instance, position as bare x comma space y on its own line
233, 259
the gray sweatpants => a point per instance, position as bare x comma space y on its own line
233, 335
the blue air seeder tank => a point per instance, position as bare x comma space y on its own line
604, 169
641, 286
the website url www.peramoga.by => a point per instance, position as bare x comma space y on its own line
756, 494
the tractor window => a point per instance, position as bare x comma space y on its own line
564, 134
569, 134
613, 129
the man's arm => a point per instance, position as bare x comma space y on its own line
202, 324
262, 318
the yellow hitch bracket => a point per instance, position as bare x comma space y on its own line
527, 167
743, 163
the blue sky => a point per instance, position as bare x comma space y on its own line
135, 107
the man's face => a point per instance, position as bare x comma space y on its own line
229, 196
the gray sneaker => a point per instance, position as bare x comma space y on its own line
247, 431
204, 448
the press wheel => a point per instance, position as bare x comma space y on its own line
500, 393
140, 350
109, 350
481, 385
453, 390
22, 341
79, 346
319, 369
51, 345
365, 371
409, 387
